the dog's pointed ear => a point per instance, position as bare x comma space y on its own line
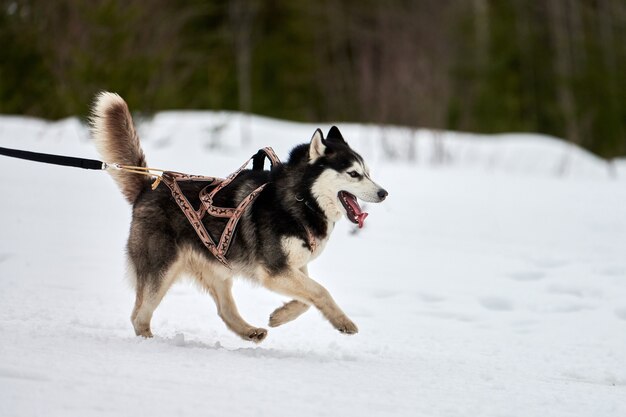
334, 135
317, 147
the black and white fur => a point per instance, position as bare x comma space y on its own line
270, 245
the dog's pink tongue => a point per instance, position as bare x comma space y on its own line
361, 218
359, 214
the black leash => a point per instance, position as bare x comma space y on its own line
68, 161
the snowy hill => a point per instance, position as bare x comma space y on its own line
491, 285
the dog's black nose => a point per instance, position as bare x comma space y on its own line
382, 194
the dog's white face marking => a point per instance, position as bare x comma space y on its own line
360, 183
355, 180
325, 192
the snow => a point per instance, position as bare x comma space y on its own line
492, 285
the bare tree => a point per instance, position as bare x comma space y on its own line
560, 19
242, 15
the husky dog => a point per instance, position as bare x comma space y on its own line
303, 199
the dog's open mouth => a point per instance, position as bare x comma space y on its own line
353, 210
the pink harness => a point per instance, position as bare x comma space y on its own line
233, 214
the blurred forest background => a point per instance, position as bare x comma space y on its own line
551, 66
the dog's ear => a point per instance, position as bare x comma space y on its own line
334, 135
317, 147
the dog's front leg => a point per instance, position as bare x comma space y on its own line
287, 312
294, 283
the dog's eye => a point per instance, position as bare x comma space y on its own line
354, 174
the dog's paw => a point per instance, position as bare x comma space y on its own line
345, 325
276, 318
255, 335
145, 332
286, 313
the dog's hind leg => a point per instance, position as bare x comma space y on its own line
220, 290
218, 281
296, 284
150, 291
289, 311
145, 304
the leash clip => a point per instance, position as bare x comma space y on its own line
112, 165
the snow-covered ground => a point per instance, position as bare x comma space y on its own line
493, 285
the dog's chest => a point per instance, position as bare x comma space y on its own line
299, 251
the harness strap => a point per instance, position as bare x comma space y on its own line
258, 160
311, 238
207, 199
233, 215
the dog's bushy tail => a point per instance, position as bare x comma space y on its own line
117, 141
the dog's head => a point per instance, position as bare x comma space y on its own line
343, 177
